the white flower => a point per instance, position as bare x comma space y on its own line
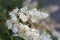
33, 34
14, 18
44, 15
37, 15
23, 17
15, 29
14, 11
46, 38
34, 19
24, 28
29, 17
24, 9
9, 24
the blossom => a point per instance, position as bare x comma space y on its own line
28, 17
9, 24
15, 29
23, 17
14, 11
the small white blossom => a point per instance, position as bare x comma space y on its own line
25, 29
14, 18
24, 9
15, 29
14, 11
9, 24
23, 17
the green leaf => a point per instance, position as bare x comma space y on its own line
49, 32
5, 36
4, 32
17, 38
40, 6
10, 32
1, 9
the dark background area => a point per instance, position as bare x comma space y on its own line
56, 15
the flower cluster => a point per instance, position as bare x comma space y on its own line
24, 23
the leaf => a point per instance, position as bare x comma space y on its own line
5, 36
1, 9
54, 38
40, 6
49, 32
4, 32
10, 32
17, 38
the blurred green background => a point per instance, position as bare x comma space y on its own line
5, 7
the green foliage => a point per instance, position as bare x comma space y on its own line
5, 7
40, 6
1, 9
6, 34
49, 32
17, 38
